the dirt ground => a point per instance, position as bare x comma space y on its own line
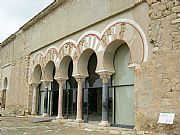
23, 126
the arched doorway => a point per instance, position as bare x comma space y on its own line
70, 93
36, 82
123, 86
48, 94
69, 87
54, 96
93, 91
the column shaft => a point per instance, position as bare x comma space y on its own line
105, 100
49, 102
46, 100
79, 100
105, 103
34, 100
60, 101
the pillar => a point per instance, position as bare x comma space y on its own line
50, 102
45, 113
60, 101
79, 100
34, 98
105, 100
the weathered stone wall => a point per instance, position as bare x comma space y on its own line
14, 66
158, 85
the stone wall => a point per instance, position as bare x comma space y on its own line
158, 85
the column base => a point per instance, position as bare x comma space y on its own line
45, 115
59, 117
79, 120
104, 124
33, 113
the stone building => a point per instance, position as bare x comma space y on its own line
112, 61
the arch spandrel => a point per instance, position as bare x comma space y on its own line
37, 59
67, 52
51, 55
68, 49
90, 41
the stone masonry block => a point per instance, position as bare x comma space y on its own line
176, 9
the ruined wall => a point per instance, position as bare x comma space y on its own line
158, 85
14, 66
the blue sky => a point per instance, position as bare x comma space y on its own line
15, 13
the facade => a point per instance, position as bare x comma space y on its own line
111, 61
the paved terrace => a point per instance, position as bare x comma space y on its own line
48, 126
32, 126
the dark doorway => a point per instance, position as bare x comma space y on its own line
55, 97
95, 103
70, 92
92, 92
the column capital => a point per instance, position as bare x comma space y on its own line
105, 76
80, 78
35, 83
60, 80
47, 82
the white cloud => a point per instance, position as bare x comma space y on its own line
15, 13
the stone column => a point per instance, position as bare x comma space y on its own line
105, 100
79, 100
60, 102
34, 98
49, 100
46, 99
